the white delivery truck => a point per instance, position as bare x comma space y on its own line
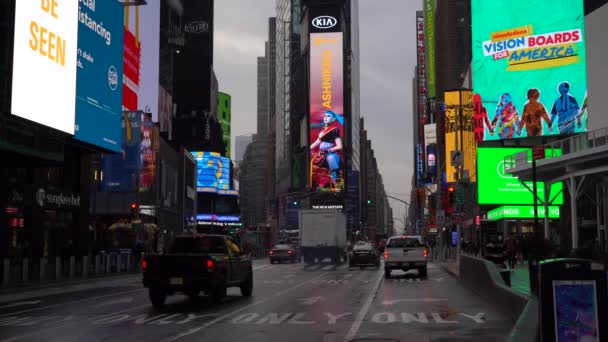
322, 235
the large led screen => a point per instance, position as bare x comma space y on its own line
120, 171
500, 188
44, 62
529, 67
212, 172
459, 135
99, 75
326, 115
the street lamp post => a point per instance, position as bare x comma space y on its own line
405, 215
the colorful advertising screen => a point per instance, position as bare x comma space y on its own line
212, 172
120, 170
497, 187
529, 66
326, 124
99, 75
460, 134
147, 149
224, 114
576, 310
44, 62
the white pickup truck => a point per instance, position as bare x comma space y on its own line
405, 252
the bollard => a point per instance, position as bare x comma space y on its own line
6, 269
57, 268
108, 263
25, 269
97, 268
42, 268
85, 266
72, 266
128, 262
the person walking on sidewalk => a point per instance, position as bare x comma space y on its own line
511, 250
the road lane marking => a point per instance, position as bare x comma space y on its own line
312, 300
424, 300
363, 312
111, 302
234, 312
31, 302
71, 302
39, 331
334, 318
478, 318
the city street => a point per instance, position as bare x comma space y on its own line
291, 302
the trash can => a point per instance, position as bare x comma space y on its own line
572, 300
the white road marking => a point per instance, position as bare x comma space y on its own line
478, 318
424, 300
440, 319
111, 302
384, 317
334, 318
363, 312
312, 300
232, 313
31, 302
71, 302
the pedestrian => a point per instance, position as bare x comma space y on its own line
511, 250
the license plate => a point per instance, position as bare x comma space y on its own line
176, 281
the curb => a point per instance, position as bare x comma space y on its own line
33, 286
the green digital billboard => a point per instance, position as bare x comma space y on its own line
521, 212
529, 67
497, 187
224, 113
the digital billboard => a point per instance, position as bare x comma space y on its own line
497, 187
529, 66
459, 133
224, 114
326, 117
99, 75
147, 150
44, 62
120, 170
212, 172
521, 212
429, 24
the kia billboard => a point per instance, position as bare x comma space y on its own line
326, 117
529, 67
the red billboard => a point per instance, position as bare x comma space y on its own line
326, 117
132, 56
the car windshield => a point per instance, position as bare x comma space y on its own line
404, 242
203, 244
282, 247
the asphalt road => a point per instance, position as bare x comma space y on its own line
291, 302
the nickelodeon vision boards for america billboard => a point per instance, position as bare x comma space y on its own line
529, 66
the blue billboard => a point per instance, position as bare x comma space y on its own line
120, 170
99, 74
212, 172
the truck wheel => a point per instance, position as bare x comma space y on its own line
218, 293
387, 273
422, 272
157, 297
247, 285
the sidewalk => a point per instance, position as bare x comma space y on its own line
520, 279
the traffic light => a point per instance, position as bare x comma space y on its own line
370, 202
295, 203
133, 209
451, 193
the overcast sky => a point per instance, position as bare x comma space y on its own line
387, 29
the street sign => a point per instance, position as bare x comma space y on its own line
456, 158
538, 152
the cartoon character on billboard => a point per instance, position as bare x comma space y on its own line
583, 113
534, 111
565, 108
508, 116
326, 151
481, 119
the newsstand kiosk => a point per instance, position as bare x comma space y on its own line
572, 300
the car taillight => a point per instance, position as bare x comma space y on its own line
425, 253
144, 264
210, 265
386, 254
290, 252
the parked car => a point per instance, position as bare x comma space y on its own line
363, 254
202, 262
284, 252
405, 253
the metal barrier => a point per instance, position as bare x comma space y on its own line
573, 144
